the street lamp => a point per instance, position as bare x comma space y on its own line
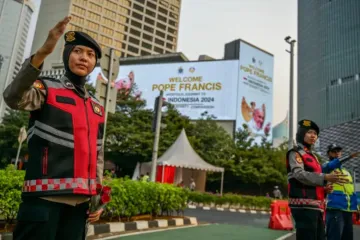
291, 96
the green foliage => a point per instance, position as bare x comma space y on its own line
9, 132
232, 200
131, 198
11, 182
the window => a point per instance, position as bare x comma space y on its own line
168, 45
105, 40
139, 8
72, 27
81, 2
118, 44
150, 13
119, 36
147, 37
149, 21
108, 22
120, 27
107, 31
140, 1
110, 5
172, 31
148, 29
146, 45
122, 19
94, 16
110, 14
151, 5
92, 25
170, 38
77, 20
136, 24
162, 26
78, 10
159, 50
160, 42
173, 15
134, 41
133, 49
135, 32
144, 53
173, 8
95, 7
160, 34
163, 11
92, 34
161, 18
125, 3
164, 3
123, 10
137, 16
172, 23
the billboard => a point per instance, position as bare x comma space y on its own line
192, 87
255, 88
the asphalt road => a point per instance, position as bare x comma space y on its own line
226, 217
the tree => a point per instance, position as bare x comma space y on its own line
9, 131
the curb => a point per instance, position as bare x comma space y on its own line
119, 227
229, 210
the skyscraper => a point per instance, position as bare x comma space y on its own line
15, 17
329, 61
131, 27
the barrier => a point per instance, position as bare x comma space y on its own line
356, 218
280, 218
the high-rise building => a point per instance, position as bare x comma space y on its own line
15, 18
329, 61
131, 27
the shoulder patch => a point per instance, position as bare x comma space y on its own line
97, 108
38, 84
298, 158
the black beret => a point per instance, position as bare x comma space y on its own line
333, 147
308, 124
81, 38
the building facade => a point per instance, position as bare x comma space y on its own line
15, 18
131, 27
329, 61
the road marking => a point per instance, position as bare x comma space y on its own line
192, 206
232, 210
263, 212
152, 231
252, 212
286, 236
220, 209
242, 211
206, 208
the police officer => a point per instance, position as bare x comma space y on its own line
64, 140
306, 184
342, 201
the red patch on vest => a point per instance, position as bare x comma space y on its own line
38, 84
96, 108
298, 158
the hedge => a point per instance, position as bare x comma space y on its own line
129, 198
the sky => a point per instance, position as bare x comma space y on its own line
207, 25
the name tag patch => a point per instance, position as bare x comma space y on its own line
96, 108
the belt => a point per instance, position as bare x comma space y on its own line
308, 202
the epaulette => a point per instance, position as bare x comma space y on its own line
49, 79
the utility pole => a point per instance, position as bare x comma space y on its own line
291, 94
158, 110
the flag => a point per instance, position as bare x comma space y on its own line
22, 135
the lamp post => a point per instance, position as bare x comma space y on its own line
291, 94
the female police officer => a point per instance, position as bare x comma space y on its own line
306, 184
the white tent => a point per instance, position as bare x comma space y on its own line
187, 162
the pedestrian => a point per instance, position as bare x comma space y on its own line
277, 193
192, 185
306, 184
342, 201
64, 140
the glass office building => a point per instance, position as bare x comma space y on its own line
329, 61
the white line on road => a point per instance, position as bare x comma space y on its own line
206, 208
152, 231
286, 236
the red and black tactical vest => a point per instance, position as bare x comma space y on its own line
64, 140
302, 195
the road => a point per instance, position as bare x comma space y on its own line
222, 225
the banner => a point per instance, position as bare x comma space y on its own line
255, 91
192, 87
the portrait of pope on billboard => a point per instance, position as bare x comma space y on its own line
255, 117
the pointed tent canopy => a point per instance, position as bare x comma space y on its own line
181, 154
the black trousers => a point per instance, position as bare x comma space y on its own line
339, 225
39, 219
309, 224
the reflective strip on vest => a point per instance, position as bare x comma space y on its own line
40, 185
42, 130
305, 201
343, 196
